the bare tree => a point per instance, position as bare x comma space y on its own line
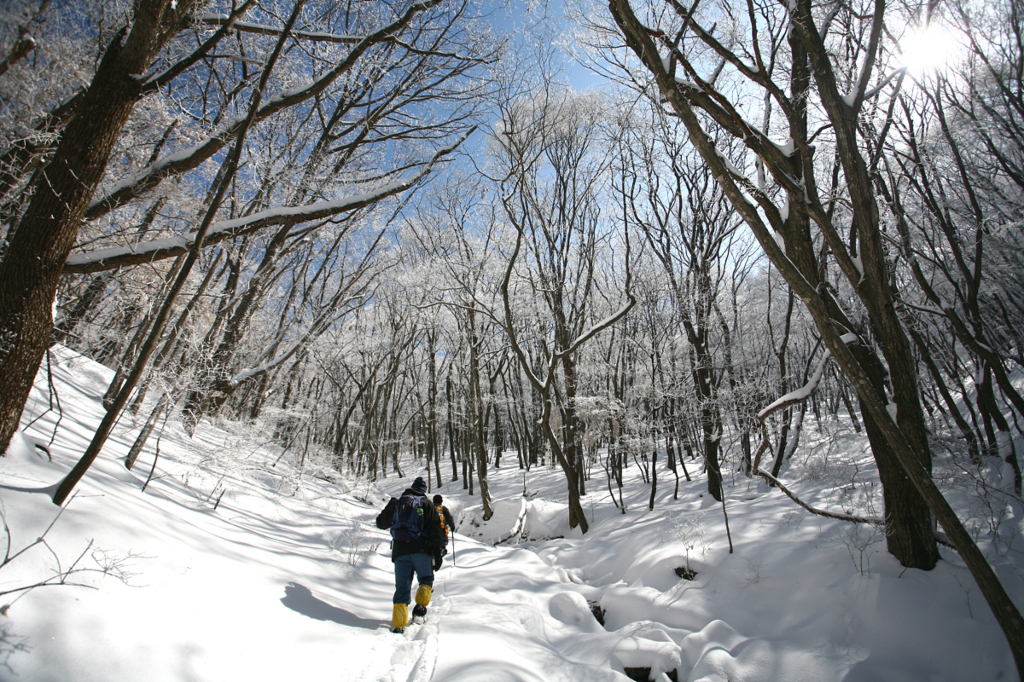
552, 173
460, 235
689, 227
957, 215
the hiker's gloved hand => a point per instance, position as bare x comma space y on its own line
444, 551
437, 562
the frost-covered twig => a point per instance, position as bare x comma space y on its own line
53, 398
105, 564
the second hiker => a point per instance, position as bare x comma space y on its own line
418, 545
447, 523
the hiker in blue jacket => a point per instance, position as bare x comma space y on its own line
417, 547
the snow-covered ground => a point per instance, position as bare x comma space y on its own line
288, 578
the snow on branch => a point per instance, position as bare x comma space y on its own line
855, 99
520, 524
22, 47
246, 27
191, 158
159, 249
171, 247
167, 75
799, 395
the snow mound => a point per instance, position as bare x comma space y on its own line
517, 519
647, 645
572, 609
720, 654
506, 515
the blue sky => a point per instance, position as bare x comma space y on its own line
515, 16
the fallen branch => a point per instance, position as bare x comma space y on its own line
814, 510
793, 398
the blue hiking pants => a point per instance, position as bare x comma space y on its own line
404, 568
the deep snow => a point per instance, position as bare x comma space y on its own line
289, 578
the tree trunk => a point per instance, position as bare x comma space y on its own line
451, 429
147, 430
476, 420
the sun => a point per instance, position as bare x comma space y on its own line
926, 50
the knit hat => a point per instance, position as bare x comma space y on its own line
419, 485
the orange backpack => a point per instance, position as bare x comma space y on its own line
440, 515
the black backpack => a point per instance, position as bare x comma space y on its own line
407, 523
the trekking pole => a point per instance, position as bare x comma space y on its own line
454, 565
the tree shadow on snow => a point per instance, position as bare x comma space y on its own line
299, 599
10, 643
